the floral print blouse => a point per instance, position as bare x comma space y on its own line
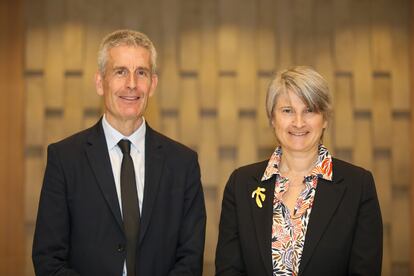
288, 231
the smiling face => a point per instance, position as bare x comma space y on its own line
297, 127
126, 85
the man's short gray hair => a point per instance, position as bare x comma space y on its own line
125, 38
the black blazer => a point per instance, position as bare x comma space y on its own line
79, 228
344, 235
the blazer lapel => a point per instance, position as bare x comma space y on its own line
154, 163
98, 156
327, 198
262, 217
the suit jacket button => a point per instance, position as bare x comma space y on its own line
121, 248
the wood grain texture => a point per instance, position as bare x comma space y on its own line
246, 67
344, 121
216, 59
12, 197
382, 111
284, 33
189, 112
362, 67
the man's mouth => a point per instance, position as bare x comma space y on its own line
130, 98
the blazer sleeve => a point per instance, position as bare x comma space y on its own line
190, 248
229, 261
51, 238
366, 252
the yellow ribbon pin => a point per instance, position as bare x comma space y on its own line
260, 197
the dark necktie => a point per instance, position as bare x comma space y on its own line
130, 206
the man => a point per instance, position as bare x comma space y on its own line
120, 198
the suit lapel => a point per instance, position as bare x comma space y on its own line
327, 198
97, 153
154, 163
262, 217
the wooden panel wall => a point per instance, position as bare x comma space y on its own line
216, 59
12, 238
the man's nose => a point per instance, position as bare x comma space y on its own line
132, 81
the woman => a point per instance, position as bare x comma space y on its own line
302, 212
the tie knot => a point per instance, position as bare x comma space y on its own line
125, 146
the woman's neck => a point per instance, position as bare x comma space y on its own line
298, 163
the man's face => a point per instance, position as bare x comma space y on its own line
126, 85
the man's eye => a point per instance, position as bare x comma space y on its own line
142, 73
120, 72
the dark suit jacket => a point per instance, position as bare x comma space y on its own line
344, 235
79, 228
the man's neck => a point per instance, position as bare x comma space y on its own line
125, 127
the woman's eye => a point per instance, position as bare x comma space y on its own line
287, 110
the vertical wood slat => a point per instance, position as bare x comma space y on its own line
211, 195
247, 59
344, 122
73, 36
35, 46
362, 55
401, 158
343, 37
266, 36
92, 19
303, 32
12, 235
411, 56
381, 49
34, 117
284, 33
208, 66
363, 150
382, 111
73, 113
227, 111
189, 112
228, 36
209, 151
400, 232
247, 141
189, 38
54, 68
400, 50
169, 90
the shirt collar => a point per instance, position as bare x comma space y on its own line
113, 136
322, 169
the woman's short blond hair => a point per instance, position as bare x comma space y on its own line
306, 83
125, 38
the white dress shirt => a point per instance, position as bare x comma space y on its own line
137, 153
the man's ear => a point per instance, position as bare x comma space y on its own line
99, 83
154, 83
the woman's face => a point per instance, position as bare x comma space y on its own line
298, 129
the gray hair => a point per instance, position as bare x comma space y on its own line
306, 83
125, 38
